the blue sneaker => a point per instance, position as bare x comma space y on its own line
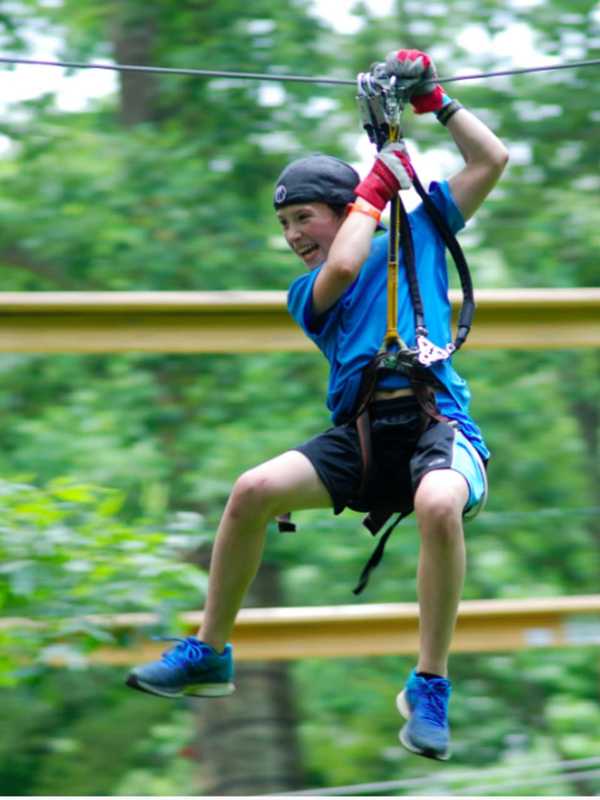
189, 668
424, 703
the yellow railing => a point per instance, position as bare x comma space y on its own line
359, 630
246, 322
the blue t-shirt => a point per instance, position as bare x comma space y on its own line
351, 332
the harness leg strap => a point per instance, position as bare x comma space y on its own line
377, 554
285, 524
376, 519
363, 427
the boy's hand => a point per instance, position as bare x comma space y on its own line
414, 65
391, 172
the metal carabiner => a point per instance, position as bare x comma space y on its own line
371, 103
381, 98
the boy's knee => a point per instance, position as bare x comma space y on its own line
439, 509
441, 498
253, 494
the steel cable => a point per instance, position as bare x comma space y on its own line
260, 76
571, 767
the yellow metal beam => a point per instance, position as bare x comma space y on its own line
359, 630
245, 322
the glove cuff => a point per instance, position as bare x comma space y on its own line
378, 187
432, 101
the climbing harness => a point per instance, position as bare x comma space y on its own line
381, 100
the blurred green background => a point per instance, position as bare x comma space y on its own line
115, 468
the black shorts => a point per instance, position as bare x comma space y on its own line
404, 450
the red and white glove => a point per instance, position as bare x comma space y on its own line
414, 65
391, 172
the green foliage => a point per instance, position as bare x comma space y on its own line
77, 729
65, 554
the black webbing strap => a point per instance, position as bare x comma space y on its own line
408, 249
377, 554
468, 304
363, 428
285, 524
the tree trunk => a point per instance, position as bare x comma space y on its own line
133, 37
248, 743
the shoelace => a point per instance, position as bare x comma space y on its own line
431, 700
188, 649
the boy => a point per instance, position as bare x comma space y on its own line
329, 218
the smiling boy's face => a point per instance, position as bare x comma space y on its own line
309, 229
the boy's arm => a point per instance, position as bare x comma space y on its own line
390, 172
349, 250
484, 154
485, 158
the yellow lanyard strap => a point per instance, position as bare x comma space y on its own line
392, 338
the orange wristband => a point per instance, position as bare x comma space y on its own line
365, 208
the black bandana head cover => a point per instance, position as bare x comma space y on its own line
316, 178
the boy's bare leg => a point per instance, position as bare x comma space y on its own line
286, 483
439, 503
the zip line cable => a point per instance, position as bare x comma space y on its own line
260, 76
206, 73
571, 768
540, 780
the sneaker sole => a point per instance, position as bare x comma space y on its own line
201, 690
403, 708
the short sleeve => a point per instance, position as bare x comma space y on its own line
300, 306
442, 196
